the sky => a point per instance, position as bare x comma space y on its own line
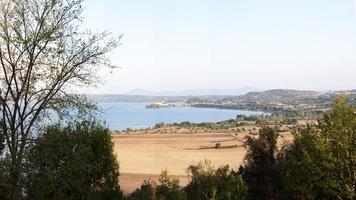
227, 44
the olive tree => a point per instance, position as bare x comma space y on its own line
43, 54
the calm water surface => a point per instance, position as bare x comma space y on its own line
122, 115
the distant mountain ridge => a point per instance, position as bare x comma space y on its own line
291, 103
296, 94
274, 95
195, 92
284, 94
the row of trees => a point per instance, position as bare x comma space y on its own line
319, 164
205, 183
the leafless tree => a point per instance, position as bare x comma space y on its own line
43, 52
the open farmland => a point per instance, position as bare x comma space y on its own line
143, 156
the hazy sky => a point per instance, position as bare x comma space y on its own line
189, 44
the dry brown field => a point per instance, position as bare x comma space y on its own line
143, 156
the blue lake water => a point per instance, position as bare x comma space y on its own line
122, 115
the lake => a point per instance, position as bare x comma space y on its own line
123, 115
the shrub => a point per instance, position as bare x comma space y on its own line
147, 191
73, 162
185, 124
167, 189
220, 184
159, 125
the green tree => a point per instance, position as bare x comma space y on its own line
4, 179
168, 188
209, 184
74, 162
4, 171
43, 52
300, 166
260, 170
147, 191
338, 137
321, 163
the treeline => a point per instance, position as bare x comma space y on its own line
277, 110
241, 120
319, 164
205, 183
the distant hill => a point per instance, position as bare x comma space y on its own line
281, 93
134, 98
269, 97
195, 92
284, 95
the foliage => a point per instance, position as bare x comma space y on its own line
167, 189
321, 163
4, 179
74, 162
207, 183
159, 125
299, 164
147, 191
43, 52
185, 124
260, 170
318, 164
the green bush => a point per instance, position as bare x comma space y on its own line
167, 189
221, 184
159, 125
185, 124
320, 164
73, 162
147, 191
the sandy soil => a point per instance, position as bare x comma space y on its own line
151, 153
144, 156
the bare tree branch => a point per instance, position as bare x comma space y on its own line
42, 52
